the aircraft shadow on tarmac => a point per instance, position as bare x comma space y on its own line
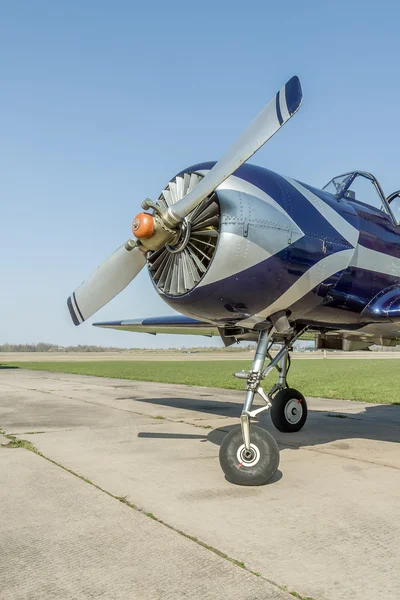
376, 422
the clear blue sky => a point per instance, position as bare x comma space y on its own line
101, 103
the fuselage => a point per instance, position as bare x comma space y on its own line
285, 245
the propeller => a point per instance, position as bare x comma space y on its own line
154, 231
273, 116
106, 282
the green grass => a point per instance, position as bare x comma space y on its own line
367, 380
17, 443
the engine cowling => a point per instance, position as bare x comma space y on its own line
208, 272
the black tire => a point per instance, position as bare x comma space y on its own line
256, 469
289, 411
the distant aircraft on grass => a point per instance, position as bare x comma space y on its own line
247, 254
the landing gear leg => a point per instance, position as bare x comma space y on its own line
251, 458
250, 455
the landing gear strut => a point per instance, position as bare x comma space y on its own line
250, 456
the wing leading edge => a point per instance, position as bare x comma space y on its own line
175, 324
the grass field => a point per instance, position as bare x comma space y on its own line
364, 380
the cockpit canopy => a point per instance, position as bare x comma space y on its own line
360, 187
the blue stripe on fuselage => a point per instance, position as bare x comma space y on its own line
378, 232
358, 287
257, 287
276, 186
345, 209
303, 213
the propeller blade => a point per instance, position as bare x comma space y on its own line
273, 116
107, 281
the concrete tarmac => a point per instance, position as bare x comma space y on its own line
327, 527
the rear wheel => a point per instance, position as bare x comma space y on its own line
289, 411
249, 467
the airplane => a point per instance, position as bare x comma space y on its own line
246, 254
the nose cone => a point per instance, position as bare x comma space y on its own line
143, 226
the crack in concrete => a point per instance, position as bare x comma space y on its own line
27, 445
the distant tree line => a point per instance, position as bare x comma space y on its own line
43, 347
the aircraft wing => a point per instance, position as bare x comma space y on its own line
175, 324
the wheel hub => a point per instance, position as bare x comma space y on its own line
248, 458
248, 455
293, 411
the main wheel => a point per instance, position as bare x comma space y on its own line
253, 467
289, 410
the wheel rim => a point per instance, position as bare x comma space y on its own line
294, 411
248, 458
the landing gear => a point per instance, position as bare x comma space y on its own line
289, 410
250, 456
254, 466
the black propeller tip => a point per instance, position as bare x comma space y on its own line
294, 94
74, 311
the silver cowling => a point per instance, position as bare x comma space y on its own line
238, 227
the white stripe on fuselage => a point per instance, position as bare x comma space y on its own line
244, 254
318, 273
350, 233
271, 232
371, 260
361, 258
